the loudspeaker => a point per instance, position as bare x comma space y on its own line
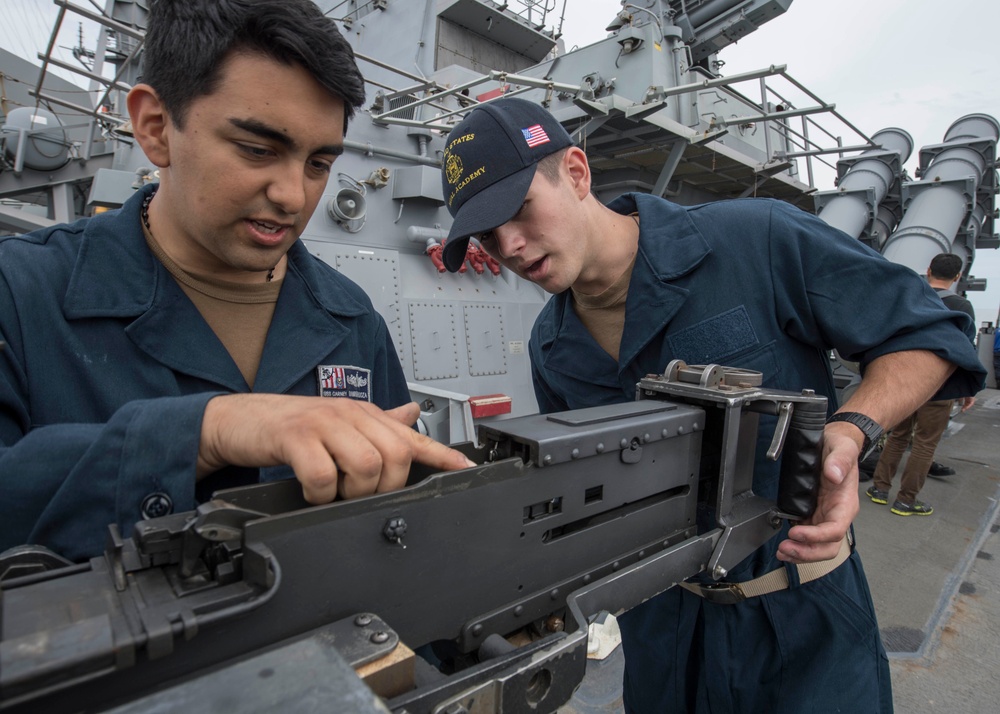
347, 205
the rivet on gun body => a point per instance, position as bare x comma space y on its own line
379, 637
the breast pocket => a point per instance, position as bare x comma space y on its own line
727, 339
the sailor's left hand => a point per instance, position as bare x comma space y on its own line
818, 537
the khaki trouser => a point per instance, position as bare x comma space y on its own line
926, 426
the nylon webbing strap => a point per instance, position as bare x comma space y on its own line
729, 593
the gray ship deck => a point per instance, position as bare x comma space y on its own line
935, 581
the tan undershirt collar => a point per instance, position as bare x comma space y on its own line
226, 290
238, 313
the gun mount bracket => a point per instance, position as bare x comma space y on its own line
754, 519
360, 639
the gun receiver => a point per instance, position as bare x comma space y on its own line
256, 600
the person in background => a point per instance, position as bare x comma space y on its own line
748, 283
924, 427
188, 341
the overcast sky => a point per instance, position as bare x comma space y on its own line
915, 64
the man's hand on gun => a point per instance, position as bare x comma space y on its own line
337, 447
818, 537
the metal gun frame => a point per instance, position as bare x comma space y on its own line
568, 514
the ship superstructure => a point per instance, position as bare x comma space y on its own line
648, 103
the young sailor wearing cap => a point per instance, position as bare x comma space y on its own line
750, 283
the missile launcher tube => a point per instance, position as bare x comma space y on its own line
940, 202
848, 210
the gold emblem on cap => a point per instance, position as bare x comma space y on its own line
453, 168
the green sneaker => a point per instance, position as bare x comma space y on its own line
880, 497
917, 508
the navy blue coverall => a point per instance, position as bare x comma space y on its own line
761, 285
108, 367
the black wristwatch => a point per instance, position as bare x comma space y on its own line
869, 427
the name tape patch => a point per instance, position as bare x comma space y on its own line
344, 381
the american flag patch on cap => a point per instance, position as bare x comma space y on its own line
535, 136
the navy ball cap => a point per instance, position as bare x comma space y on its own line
489, 164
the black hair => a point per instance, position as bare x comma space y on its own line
188, 40
946, 266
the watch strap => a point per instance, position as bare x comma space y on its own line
870, 428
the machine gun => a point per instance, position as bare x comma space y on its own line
257, 601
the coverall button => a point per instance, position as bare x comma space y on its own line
156, 504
